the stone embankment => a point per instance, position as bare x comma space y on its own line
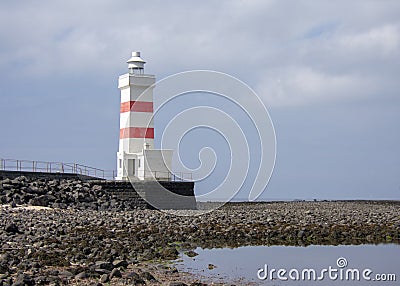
70, 193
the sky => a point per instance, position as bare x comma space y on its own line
327, 71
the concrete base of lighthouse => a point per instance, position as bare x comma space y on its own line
166, 195
150, 164
161, 195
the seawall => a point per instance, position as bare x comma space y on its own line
62, 190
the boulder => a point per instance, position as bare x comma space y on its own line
115, 273
104, 265
12, 228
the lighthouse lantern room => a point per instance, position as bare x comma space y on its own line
137, 158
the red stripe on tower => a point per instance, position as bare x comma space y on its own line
136, 132
136, 106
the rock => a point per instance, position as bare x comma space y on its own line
170, 270
148, 276
300, 234
120, 263
133, 275
42, 280
36, 265
211, 266
177, 284
12, 228
104, 278
104, 265
138, 282
115, 273
7, 281
96, 188
82, 275
23, 280
22, 178
15, 182
102, 271
4, 267
65, 274
35, 190
42, 201
169, 253
191, 253
198, 284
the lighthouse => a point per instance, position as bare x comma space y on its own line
136, 158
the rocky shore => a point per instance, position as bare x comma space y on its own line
57, 240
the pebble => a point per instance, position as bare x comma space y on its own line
82, 275
11, 228
120, 263
115, 273
148, 276
177, 284
191, 253
104, 278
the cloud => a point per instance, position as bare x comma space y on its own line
382, 40
303, 85
297, 53
335, 63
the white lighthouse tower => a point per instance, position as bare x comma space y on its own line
137, 158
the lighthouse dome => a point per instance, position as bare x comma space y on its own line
136, 63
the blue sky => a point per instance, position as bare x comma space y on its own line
326, 70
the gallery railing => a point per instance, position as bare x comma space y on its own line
53, 167
166, 176
74, 168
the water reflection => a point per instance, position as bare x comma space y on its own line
312, 265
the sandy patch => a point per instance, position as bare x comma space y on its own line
24, 207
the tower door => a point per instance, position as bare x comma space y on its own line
131, 167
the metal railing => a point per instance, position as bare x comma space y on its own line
53, 167
167, 176
74, 168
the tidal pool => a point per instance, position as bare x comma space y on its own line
290, 265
